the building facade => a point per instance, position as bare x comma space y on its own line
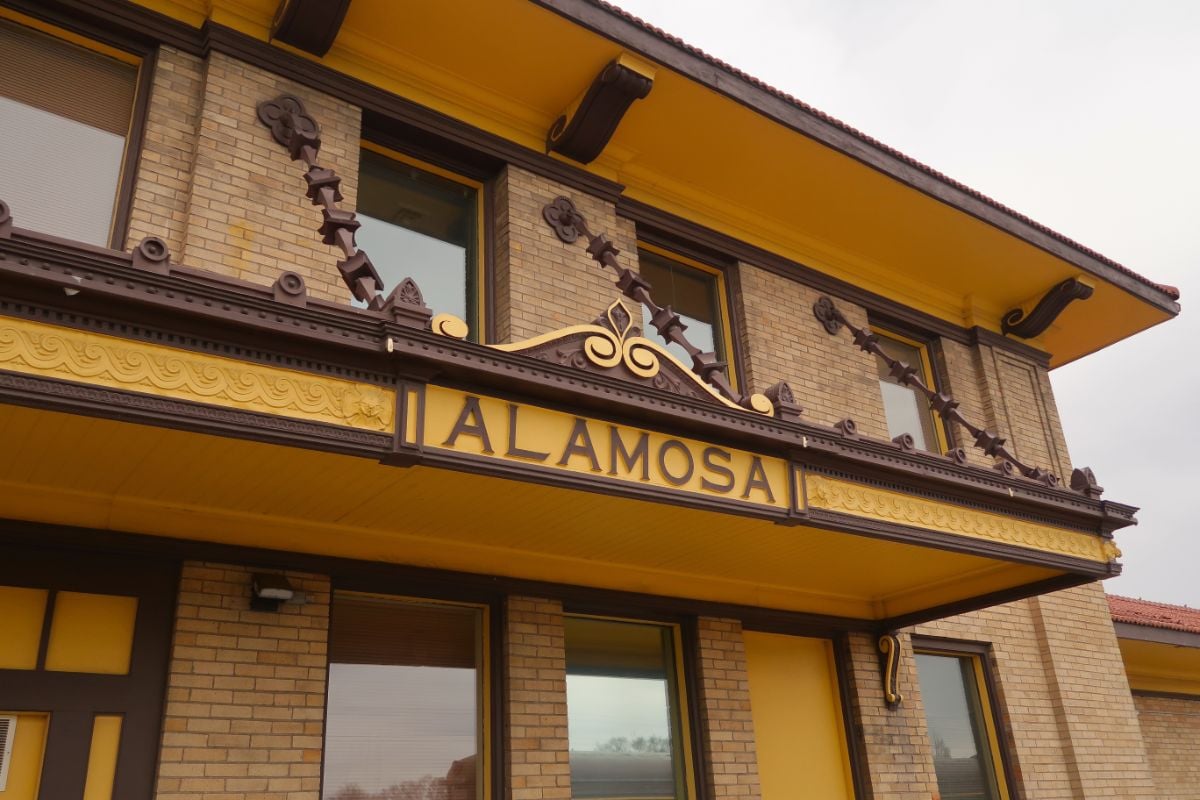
507, 400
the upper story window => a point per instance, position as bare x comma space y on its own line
959, 717
906, 409
421, 222
624, 718
65, 112
694, 290
405, 710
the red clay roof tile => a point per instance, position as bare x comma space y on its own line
1154, 615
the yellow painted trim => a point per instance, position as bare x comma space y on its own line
927, 375
34, 348
871, 502
102, 757
722, 300
482, 288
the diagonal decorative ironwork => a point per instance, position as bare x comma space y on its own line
569, 225
946, 406
293, 127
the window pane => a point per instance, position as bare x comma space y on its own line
690, 292
64, 116
907, 410
961, 755
621, 712
403, 716
421, 226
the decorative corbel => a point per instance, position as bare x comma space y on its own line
6, 222
1017, 323
889, 662
1084, 480
310, 25
583, 132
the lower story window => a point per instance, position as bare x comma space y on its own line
623, 713
961, 731
404, 717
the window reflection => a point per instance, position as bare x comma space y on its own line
954, 714
419, 225
403, 716
907, 411
621, 710
690, 292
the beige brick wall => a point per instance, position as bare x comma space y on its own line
245, 692
536, 754
894, 739
782, 340
724, 704
543, 284
1062, 692
163, 187
1171, 729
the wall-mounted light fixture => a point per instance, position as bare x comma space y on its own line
268, 590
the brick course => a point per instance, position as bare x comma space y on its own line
536, 755
724, 704
245, 692
1171, 729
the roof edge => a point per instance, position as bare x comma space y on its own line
652, 42
1132, 613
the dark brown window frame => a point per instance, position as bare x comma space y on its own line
146, 50
985, 654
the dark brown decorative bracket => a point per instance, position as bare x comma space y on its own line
568, 224
292, 126
583, 134
1017, 323
6, 222
889, 649
310, 25
946, 406
152, 254
1084, 480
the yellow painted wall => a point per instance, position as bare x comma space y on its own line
102, 757
21, 613
91, 633
25, 769
797, 717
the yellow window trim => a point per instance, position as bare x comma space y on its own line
483, 290
927, 375
724, 331
989, 711
685, 738
485, 671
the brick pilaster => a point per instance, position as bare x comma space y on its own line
536, 753
246, 691
724, 703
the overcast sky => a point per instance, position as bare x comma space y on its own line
1082, 114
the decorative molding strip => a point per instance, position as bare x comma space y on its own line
310, 25
613, 344
568, 224
889, 646
33, 348
888, 506
583, 134
1017, 323
946, 406
292, 126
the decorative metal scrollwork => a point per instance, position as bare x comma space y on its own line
889, 646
